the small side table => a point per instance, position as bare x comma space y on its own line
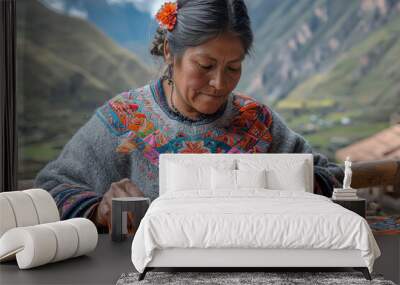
120, 206
357, 205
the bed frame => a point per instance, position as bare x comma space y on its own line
246, 259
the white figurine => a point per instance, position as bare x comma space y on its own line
347, 174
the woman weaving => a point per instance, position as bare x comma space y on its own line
191, 109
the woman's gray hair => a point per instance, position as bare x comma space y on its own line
201, 20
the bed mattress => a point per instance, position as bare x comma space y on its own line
250, 219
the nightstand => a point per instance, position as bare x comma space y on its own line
358, 205
120, 206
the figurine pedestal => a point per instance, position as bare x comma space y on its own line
344, 189
344, 194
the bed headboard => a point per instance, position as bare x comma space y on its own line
209, 158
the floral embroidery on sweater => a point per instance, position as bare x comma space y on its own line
131, 116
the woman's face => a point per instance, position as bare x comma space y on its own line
205, 75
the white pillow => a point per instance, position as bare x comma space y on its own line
227, 179
189, 173
293, 181
251, 178
185, 177
281, 174
223, 179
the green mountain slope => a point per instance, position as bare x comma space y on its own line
368, 75
65, 69
298, 39
331, 68
363, 86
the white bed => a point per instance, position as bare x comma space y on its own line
193, 225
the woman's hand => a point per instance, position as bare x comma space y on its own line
122, 188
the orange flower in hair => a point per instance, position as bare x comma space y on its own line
166, 16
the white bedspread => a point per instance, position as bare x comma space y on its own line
253, 218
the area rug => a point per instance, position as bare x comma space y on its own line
269, 278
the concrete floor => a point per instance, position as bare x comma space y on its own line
389, 262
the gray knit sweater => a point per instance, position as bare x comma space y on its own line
125, 136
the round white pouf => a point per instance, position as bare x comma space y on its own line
7, 218
45, 205
33, 246
40, 244
67, 240
87, 235
23, 208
